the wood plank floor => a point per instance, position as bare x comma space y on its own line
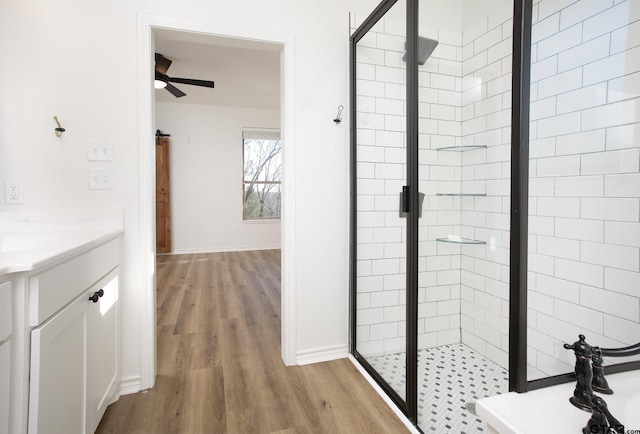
219, 364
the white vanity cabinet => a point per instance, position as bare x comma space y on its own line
102, 352
5, 360
74, 342
5, 354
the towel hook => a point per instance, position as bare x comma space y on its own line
338, 119
58, 130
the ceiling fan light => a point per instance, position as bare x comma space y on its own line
159, 84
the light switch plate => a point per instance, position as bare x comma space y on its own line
100, 179
99, 150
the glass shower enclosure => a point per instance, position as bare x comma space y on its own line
431, 192
494, 210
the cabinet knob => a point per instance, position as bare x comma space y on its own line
96, 295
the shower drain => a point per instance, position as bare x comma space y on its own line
471, 407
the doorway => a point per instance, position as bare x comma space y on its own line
148, 26
217, 136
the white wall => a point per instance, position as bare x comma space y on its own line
78, 60
206, 177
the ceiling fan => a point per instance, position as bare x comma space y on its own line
163, 80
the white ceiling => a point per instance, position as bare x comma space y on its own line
246, 73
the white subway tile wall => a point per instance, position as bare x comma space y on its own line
462, 102
381, 171
585, 254
487, 107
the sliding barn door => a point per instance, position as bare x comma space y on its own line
163, 196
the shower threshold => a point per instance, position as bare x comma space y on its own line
451, 379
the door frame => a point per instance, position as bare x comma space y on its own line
146, 24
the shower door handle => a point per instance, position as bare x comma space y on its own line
404, 199
404, 202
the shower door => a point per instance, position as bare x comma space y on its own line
431, 189
379, 227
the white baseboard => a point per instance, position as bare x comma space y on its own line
323, 354
223, 249
129, 385
384, 396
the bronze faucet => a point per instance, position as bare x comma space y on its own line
589, 372
583, 393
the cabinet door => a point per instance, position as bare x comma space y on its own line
102, 350
58, 378
5, 349
5, 355
5, 311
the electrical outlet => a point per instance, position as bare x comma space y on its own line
13, 193
100, 179
99, 150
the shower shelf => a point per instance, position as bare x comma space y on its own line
461, 194
459, 240
461, 148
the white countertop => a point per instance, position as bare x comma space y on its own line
549, 411
30, 240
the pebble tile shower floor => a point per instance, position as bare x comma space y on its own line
452, 378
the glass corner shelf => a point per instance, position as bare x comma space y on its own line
461, 194
459, 240
461, 148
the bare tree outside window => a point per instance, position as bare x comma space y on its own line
262, 171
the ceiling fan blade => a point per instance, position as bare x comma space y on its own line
175, 91
162, 64
191, 81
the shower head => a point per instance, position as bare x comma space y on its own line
425, 48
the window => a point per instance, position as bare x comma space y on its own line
262, 171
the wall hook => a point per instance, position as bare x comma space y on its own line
338, 119
58, 130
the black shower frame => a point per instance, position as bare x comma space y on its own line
521, 73
362, 30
